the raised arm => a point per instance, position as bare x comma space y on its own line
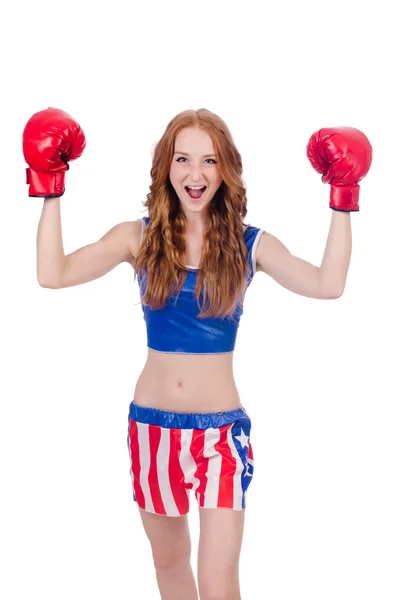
51, 139
57, 270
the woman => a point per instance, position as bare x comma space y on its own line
194, 258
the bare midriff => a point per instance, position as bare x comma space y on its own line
188, 382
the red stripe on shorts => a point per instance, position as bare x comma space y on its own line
228, 469
197, 452
136, 463
177, 478
153, 478
250, 452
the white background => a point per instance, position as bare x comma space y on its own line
317, 377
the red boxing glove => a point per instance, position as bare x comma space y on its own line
50, 139
343, 156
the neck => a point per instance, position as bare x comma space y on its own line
196, 223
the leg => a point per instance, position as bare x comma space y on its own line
221, 533
158, 488
171, 547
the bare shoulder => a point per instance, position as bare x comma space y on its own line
268, 251
131, 231
127, 234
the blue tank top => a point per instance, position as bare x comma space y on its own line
175, 328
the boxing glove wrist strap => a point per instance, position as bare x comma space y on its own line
45, 185
344, 197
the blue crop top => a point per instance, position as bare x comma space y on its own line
175, 328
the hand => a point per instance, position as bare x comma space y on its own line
50, 139
343, 156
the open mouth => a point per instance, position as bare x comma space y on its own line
195, 194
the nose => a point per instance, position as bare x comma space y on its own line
195, 174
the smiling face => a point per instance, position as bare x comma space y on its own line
194, 163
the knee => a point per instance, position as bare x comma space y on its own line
171, 557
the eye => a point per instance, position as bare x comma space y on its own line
183, 158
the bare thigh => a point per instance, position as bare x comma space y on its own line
221, 534
169, 538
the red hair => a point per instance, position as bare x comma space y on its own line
223, 266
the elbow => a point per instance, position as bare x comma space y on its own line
334, 294
46, 279
332, 291
47, 284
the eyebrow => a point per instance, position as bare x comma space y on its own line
187, 154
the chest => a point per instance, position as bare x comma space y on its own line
194, 248
193, 253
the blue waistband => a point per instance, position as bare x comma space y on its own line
182, 420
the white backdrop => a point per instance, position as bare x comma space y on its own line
315, 376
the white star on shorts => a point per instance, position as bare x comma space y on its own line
247, 472
243, 439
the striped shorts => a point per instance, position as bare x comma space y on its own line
172, 453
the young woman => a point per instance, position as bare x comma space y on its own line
194, 258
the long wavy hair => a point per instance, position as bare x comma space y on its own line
223, 269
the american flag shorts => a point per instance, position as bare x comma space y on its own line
172, 453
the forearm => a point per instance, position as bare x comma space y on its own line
336, 259
50, 253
